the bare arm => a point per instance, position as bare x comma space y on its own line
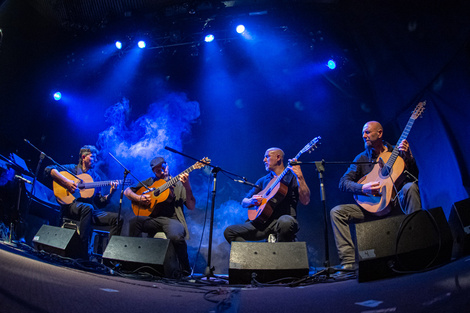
304, 191
190, 200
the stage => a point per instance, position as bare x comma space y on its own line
38, 282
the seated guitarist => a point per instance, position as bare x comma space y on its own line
283, 222
408, 196
86, 210
167, 215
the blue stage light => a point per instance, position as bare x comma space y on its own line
57, 96
240, 29
118, 45
209, 38
331, 64
141, 44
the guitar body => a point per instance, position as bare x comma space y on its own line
85, 187
380, 204
142, 210
269, 200
65, 197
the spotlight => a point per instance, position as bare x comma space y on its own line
141, 44
209, 38
118, 45
57, 96
240, 29
331, 64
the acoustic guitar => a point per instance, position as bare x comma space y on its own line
85, 187
159, 191
387, 172
275, 191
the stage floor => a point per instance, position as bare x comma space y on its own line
31, 282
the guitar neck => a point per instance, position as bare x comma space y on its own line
174, 180
284, 172
97, 184
403, 136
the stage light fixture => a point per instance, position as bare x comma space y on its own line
209, 38
331, 64
240, 29
118, 45
57, 96
141, 44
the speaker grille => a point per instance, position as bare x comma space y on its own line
459, 221
61, 241
402, 244
268, 261
132, 253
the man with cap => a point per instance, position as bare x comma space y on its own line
167, 216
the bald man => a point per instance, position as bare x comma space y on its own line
408, 199
283, 222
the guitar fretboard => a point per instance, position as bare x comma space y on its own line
174, 180
403, 136
307, 147
98, 184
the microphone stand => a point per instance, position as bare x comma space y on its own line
126, 172
209, 271
53, 161
321, 169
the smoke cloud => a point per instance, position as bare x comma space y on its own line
168, 122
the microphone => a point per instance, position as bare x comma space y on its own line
246, 183
23, 179
170, 149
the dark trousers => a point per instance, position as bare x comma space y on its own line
88, 215
284, 228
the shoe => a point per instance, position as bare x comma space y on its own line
345, 271
349, 267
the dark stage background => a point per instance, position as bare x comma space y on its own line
233, 98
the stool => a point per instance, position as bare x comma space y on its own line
70, 224
99, 238
160, 235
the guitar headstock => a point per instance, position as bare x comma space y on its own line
418, 110
312, 145
205, 161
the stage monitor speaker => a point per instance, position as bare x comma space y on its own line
402, 244
133, 253
459, 221
61, 241
269, 261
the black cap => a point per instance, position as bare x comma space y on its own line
157, 161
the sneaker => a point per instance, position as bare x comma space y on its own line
349, 267
346, 271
